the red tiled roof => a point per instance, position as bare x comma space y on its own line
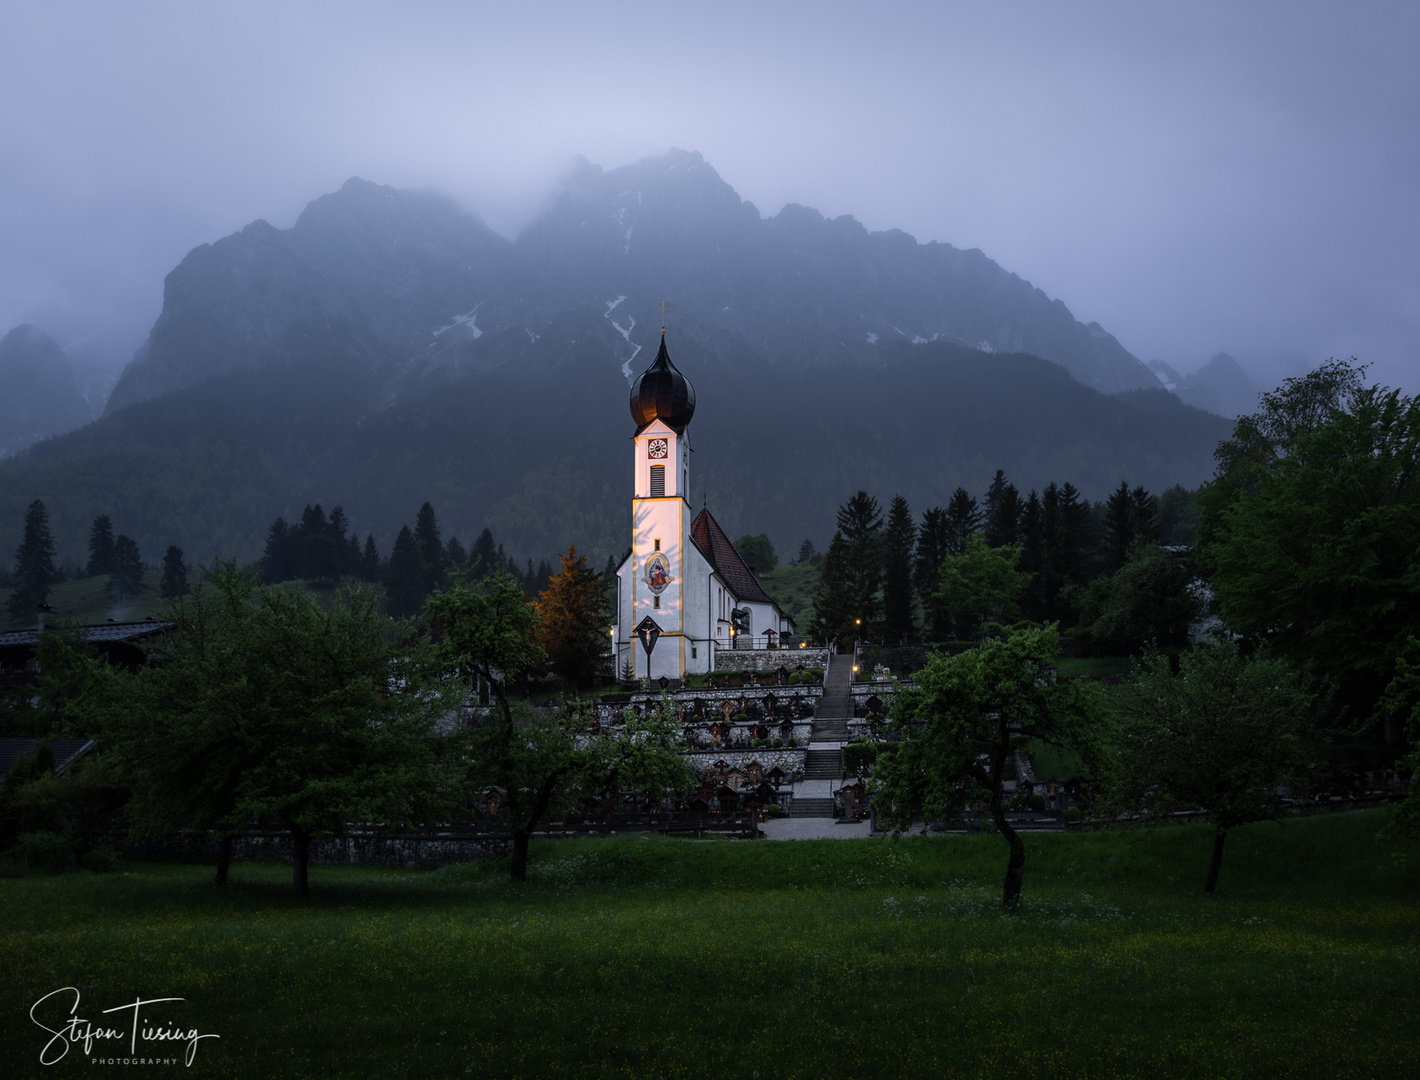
726, 561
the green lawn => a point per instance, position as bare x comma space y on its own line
646, 957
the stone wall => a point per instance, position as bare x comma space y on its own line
791, 761
384, 849
802, 700
769, 659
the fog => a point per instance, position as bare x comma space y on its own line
1196, 177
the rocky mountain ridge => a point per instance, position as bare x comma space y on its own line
419, 292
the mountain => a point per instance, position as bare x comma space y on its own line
1219, 386
389, 348
40, 396
421, 292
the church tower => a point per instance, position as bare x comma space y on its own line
662, 404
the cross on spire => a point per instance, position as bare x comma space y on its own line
663, 307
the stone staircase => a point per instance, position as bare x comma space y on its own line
811, 808
823, 764
835, 708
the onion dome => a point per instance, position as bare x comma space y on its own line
662, 393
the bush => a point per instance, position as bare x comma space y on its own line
1036, 802
859, 754
47, 851
774, 810
102, 860
793, 742
778, 743
1074, 814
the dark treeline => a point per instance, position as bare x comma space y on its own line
36, 572
882, 575
321, 548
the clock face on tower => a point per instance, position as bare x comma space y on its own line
656, 448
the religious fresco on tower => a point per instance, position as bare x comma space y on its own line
658, 573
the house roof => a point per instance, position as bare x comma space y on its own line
65, 751
100, 632
725, 560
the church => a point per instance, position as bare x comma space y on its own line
684, 592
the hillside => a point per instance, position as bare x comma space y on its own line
389, 348
539, 453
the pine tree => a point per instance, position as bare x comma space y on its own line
431, 548
405, 578
1031, 538
339, 525
174, 572
860, 524
279, 558
1130, 517
454, 554
806, 551
100, 547
370, 559
899, 538
835, 602
1003, 512
34, 564
573, 618
319, 558
933, 545
964, 517
126, 580
485, 557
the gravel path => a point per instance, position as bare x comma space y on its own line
811, 828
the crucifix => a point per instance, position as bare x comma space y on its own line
663, 307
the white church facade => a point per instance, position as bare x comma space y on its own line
684, 592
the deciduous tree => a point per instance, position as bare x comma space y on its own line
961, 721
1220, 734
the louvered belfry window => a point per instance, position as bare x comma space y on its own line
658, 481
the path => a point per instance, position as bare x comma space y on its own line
811, 812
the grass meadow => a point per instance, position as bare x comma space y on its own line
648, 957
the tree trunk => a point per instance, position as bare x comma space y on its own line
520, 856
224, 859
300, 860
1217, 864
1016, 864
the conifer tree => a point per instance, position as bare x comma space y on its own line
485, 556
431, 547
454, 554
1032, 541
899, 538
1003, 512
319, 557
933, 545
278, 560
573, 619
860, 524
806, 551
174, 572
34, 564
405, 578
370, 559
126, 580
835, 607
100, 547
1130, 517
963, 518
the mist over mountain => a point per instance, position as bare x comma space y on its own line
38, 394
423, 292
390, 348
1219, 386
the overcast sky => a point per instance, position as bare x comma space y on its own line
1195, 176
